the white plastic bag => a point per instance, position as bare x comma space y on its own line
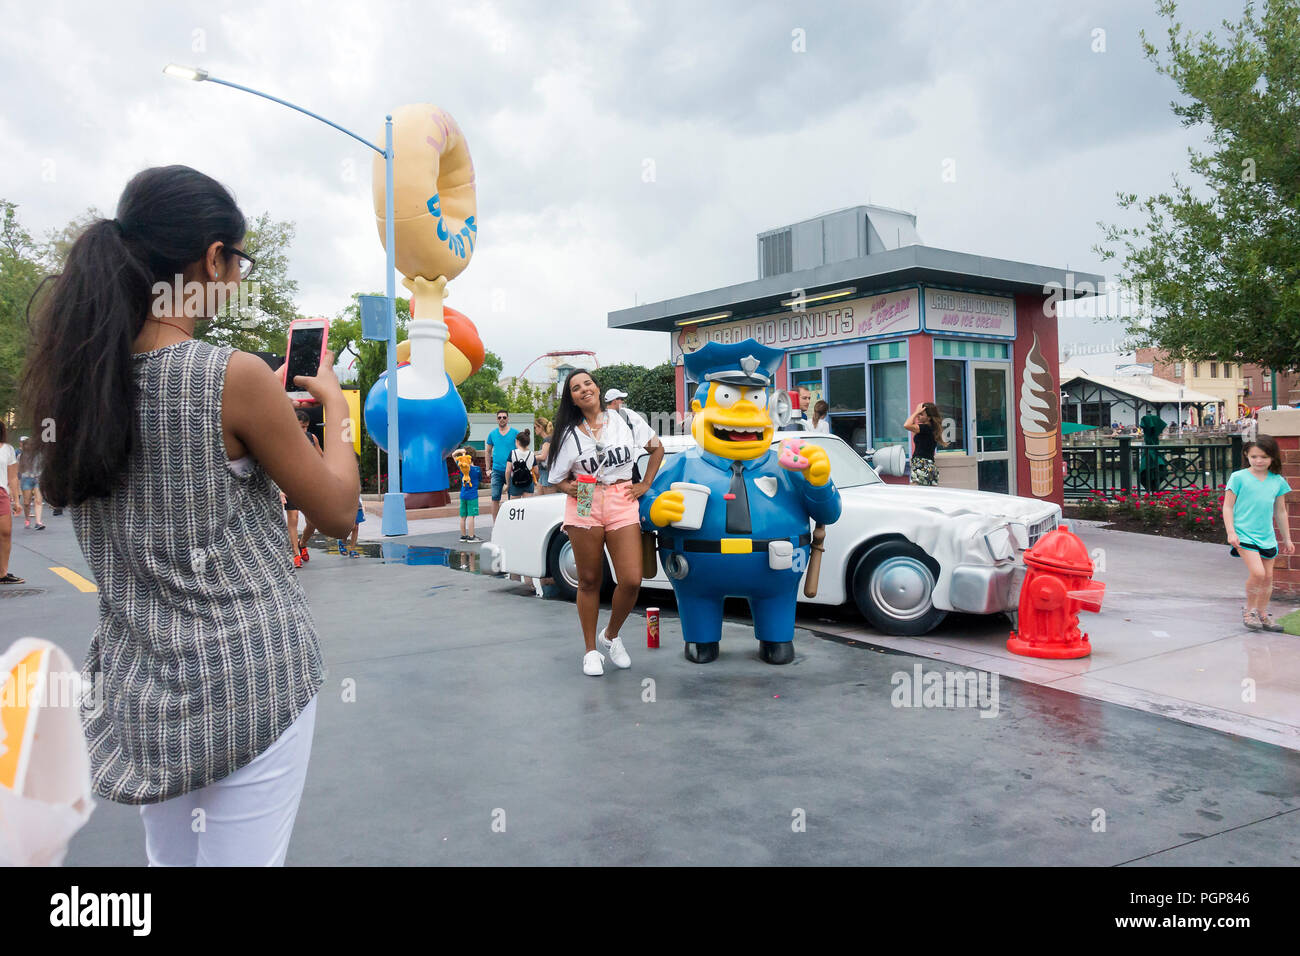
45, 794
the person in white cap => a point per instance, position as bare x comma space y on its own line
614, 398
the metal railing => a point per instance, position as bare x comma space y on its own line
1136, 467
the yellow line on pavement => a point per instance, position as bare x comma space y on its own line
75, 579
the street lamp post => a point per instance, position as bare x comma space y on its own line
394, 502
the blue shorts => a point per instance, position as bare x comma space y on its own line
498, 482
27, 484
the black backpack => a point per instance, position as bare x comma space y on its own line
520, 475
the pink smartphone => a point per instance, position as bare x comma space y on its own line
304, 353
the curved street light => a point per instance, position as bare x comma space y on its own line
394, 519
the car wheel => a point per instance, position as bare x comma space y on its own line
562, 568
893, 586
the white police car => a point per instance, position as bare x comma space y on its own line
905, 555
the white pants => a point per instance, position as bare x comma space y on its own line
246, 818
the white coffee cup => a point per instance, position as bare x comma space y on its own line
696, 497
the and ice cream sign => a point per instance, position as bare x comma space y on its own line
891, 313
969, 314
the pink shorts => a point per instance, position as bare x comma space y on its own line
611, 508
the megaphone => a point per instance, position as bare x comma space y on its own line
780, 408
890, 460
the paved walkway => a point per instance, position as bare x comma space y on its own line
1168, 640
455, 727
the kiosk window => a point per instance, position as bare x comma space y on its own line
846, 387
950, 396
889, 403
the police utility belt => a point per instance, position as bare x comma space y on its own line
780, 551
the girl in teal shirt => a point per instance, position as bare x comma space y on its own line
1254, 502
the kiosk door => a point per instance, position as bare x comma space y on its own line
990, 424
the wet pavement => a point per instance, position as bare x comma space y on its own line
455, 727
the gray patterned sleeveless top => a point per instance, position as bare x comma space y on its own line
205, 651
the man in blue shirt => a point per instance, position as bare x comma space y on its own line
499, 445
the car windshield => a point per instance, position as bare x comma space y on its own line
848, 469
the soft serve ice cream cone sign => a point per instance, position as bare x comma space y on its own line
1040, 420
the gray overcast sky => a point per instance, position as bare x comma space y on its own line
564, 105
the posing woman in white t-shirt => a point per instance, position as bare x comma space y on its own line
588, 440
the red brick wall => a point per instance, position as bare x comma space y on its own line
1286, 570
1288, 387
1161, 367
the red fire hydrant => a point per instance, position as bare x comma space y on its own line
1057, 586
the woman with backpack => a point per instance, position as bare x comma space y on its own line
205, 658
521, 467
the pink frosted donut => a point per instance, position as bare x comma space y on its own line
790, 457
434, 196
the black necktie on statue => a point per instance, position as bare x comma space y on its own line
738, 502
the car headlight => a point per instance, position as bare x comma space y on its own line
1001, 543
1019, 535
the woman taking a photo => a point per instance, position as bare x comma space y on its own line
927, 427
168, 453
591, 442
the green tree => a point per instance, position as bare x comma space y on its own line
523, 397
1220, 264
623, 377
481, 391
259, 320
655, 391
59, 241
21, 271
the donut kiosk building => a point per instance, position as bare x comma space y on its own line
875, 323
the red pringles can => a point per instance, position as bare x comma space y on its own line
652, 627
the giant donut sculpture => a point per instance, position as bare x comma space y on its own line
434, 197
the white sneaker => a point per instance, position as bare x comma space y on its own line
591, 664
615, 649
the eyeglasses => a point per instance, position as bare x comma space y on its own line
503, 418
246, 263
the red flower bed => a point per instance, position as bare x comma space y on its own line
1195, 513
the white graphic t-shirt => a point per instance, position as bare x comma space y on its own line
610, 459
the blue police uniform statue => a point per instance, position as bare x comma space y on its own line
753, 541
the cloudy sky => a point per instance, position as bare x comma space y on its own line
626, 152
